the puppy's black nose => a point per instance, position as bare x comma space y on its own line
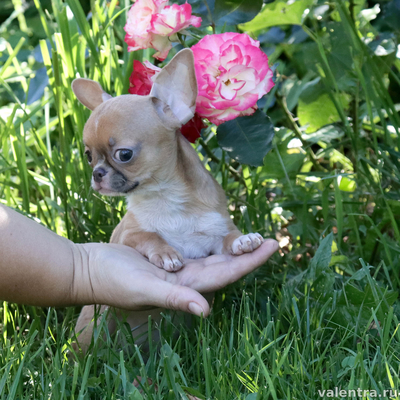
98, 174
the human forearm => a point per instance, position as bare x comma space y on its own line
36, 265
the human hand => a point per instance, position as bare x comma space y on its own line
119, 276
40, 268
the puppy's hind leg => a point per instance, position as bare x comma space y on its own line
84, 327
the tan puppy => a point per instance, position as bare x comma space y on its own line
175, 208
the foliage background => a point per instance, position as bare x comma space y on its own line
323, 313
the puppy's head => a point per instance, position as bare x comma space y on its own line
130, 140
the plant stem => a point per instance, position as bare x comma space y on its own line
214, 158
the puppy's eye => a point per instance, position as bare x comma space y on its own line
89, 156
124, 155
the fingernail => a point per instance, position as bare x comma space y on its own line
194, 308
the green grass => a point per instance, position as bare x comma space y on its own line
323, 313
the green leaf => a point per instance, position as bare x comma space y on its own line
353, 306
384, 44
322, 258
360, 274
326, 134
339, 213
284, 164
247, 139
391, 14
318, 275
278, 13
93, 381
350, 361
293, 88
320, 112
132, 392
224, 12
193, 392
233, 12
339, 260
281, 163
347, 184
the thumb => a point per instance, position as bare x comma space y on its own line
176, 297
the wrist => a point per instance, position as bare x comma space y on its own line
81, 284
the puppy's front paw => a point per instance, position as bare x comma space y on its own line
167, 258
246, 243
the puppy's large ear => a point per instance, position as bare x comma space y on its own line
89, 92
176, 87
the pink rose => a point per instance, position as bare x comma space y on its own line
140, 80
173, 19
138, 23
152, 23
141, 83
232, 75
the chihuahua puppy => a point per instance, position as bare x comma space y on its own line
175, 208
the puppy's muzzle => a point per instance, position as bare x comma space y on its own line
99, 174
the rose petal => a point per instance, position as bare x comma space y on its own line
173, 19
191, 130
228, 90
163, 45
140, 79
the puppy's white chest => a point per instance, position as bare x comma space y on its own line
193, 235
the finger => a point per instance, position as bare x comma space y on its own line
218, 258
175, 297
208, 278
247, 262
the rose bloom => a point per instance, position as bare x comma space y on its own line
152, 23
140, 83
191, 130
232, 75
